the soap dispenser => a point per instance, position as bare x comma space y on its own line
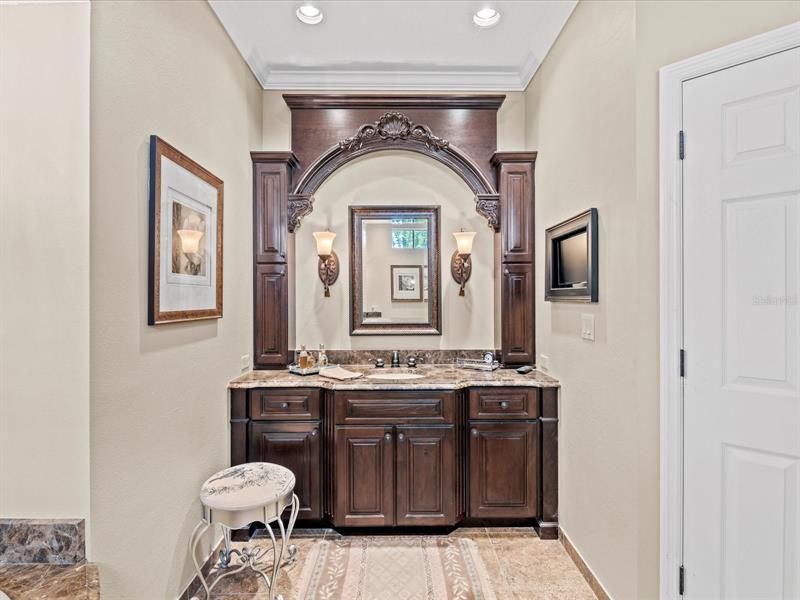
323, 357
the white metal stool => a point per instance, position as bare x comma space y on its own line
236, 497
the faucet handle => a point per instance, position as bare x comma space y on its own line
411, 361
379, 363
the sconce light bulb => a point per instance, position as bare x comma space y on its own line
324, 242
464, 241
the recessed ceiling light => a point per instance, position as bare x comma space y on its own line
309, 14
486, 17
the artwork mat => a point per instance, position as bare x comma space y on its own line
170, 302
395, 274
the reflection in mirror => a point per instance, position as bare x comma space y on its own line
394, 268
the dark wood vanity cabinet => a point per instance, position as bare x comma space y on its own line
285, 428
385, 458
395, 458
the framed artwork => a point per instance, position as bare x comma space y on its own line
406, 283
185, 246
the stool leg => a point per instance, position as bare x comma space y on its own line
196, 536
292, 518
225, 553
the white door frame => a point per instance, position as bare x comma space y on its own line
671, 78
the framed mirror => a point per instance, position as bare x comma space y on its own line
394, 270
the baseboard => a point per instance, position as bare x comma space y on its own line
587, 573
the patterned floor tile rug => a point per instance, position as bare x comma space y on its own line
390, 568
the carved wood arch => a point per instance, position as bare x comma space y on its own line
393, 131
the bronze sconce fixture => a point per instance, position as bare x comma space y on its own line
460, 262
328, 268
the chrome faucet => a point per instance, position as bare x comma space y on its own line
395, 358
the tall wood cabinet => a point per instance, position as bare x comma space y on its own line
272, 177
515, 183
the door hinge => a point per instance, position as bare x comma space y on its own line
683, 362
681, 145
681, 576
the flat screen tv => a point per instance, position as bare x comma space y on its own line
571, 259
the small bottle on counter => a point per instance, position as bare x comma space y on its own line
312, 360
323, 357
302, 360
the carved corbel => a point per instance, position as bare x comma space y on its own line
300, 205
488, 205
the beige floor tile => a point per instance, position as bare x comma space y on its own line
540, 569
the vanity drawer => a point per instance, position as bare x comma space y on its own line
503, 403
284, 404
389, 406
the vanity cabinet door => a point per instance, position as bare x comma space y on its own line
426, 475
516, 211
517, 326
270, 336
503, 469
295, 446
364, 476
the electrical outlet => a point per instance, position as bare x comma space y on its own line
245, 362
544, 362
587, 327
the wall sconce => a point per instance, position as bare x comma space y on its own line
328, 261
190, 240
461, 263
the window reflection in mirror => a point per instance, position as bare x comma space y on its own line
394, 270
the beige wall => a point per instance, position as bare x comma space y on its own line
158, 397
44, 260
387, 179
592, 113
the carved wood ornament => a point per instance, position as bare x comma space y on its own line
393, 131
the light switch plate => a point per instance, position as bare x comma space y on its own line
245, 362
587, 327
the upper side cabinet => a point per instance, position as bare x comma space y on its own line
271, 188
515, 177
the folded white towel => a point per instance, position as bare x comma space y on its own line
339, 373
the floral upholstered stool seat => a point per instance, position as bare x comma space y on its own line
235, 498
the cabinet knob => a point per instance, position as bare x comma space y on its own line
401, 436
387, 437
505, 271
504, 404
284, 405
314, 432
474, 433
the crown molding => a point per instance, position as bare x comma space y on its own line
443, 101
316, 79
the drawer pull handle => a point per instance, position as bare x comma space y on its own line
505, 271
474, 433
387, 437
504, 404
314, 432
401, 436
284, 405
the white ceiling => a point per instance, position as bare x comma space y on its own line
391, 44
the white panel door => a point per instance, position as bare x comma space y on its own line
741, 206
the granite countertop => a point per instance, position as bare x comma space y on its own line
436, 377
40, 581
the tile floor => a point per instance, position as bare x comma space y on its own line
520, 567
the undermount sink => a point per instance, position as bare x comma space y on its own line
395, 376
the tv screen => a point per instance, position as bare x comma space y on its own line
572, 260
